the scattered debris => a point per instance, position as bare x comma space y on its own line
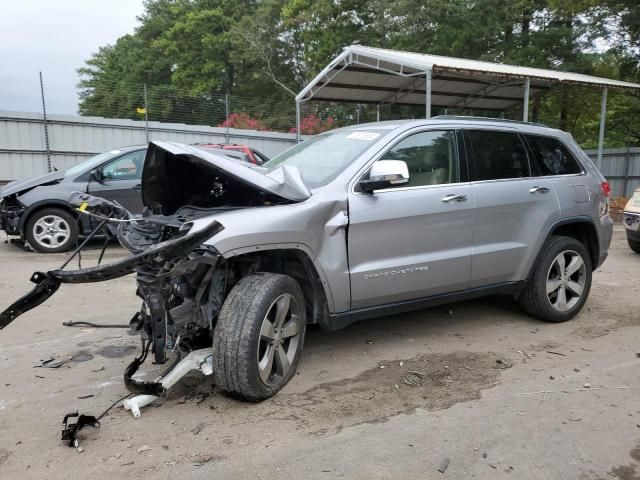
84, 397
127, 463
70, 430
444, 464
587, 385
492, 466
80, 449
49, 363
551, 377
98, 370
413, 379
484, 455
556, 353
576, 369
503, 364
198, 428
369, 342
576, 390
144, 448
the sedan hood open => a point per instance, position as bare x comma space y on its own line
20, 186
175, 175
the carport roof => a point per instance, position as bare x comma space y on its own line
373, 75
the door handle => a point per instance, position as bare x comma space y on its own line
138, 187
539, 189
453, 197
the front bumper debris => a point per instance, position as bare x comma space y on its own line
157, 261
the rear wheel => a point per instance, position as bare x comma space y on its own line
51, 230
561, 281
259, 336
633, 244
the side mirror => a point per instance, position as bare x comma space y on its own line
96, 175
385, 174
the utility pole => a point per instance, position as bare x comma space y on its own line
226, 113
45, 124
146, 115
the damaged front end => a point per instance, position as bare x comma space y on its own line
181, 279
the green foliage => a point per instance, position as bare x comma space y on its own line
190, 53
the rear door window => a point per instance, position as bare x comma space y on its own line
497, 155
551, 157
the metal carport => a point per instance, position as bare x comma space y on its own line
378, 76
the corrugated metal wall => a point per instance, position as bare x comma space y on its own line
621, 166
73, 138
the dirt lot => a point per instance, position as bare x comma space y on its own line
390, 398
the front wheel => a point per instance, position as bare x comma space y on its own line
259, 336
51, 230
633, 244
561, 281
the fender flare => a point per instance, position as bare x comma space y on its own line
578, 219
305, 249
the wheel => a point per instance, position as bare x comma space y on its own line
51, 230
561, 281
259, 336
633, 244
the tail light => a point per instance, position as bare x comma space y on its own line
604, 203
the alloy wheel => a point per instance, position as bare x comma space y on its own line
51, 231
566, 280
280, 339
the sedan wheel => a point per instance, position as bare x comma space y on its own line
51, 230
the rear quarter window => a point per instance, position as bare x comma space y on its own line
551, 157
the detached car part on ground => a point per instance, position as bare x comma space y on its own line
353, 224
631, 221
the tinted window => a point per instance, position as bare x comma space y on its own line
498, 155
127, 167
551, 157
430, 157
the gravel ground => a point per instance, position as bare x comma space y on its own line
498, 394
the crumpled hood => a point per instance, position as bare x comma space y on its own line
21, 185
285, 182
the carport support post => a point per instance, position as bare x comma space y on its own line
146, 114
525, 104
297, 122
427, 105
603, 114
45, 124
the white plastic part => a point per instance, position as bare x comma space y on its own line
201, 360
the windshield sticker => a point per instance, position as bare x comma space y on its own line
363, 135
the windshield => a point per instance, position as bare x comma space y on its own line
321, 158
91, 162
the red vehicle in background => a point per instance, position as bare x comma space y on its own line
251, 154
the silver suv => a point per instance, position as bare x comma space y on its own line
364, 221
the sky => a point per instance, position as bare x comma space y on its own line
55, 37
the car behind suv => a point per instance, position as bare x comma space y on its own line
37, 209
355, 223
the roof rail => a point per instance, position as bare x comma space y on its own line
487, 119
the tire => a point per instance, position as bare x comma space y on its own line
247, 336
634, 244
547, 277
61, 237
